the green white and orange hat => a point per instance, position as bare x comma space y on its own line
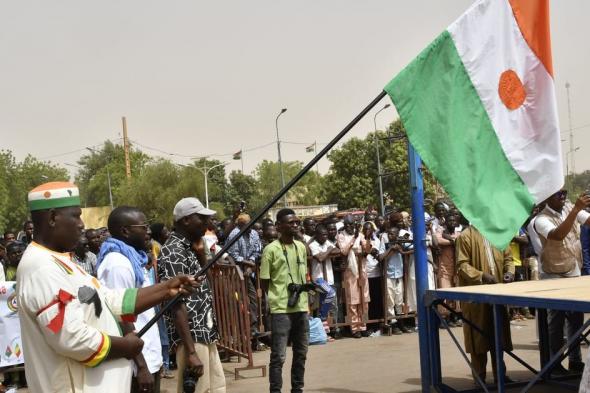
53, 195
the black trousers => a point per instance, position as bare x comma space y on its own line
376, 303
253, 303
293, 326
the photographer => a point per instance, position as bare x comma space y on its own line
558, 227
283, 267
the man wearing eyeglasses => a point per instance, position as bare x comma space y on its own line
121, 264
558, 226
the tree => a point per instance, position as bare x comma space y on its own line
306, 192
576, 184
241, 187
352, 181
16, 180
160, 184
154, 190
92, 177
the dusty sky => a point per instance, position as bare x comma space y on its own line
198, 78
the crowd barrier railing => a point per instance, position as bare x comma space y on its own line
331, 322
231, 307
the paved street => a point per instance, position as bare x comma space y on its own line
380, 364
384, 364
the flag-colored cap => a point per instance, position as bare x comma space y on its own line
54, 195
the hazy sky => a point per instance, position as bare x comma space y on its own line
199, 78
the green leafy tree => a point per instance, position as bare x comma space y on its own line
154, 190
352, 181
576, 184
92, 177
160, 184
268, 175
241, 187
16, 180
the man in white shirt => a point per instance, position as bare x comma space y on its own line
558, 227
122, 264
322, 251
70, 332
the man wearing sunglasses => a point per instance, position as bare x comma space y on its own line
121, 264
558, 226
284, 262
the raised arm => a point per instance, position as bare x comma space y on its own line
343, 245
561, 231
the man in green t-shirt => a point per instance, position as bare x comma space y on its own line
284, 261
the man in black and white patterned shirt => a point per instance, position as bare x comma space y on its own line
191, 325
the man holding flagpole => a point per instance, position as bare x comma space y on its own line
69, 321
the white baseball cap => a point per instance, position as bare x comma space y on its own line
187, 206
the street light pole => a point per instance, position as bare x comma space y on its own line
379, 161
279, 150
205, 171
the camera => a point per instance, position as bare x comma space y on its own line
295, 291
401, 242
189, 380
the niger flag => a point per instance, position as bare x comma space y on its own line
479, 106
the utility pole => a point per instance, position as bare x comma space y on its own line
126, 148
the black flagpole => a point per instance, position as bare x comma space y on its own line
268, 206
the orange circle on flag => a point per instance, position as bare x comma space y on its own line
511, 90
46, 194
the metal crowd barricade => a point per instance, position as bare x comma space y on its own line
331, 323
231, 307
382, 320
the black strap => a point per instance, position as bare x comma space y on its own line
287, 259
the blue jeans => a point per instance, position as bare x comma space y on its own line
294, 326
326, 308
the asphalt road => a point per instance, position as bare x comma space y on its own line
380, 364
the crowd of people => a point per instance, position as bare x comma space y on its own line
362, 267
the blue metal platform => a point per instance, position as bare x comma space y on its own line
567, 294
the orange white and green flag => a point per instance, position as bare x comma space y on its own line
479, 106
